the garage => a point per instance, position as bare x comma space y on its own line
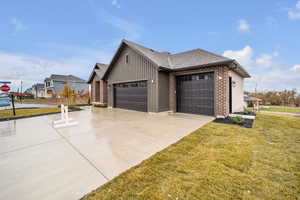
195, 93
131, 96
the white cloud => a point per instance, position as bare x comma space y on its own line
298, 5
243, 26
115, 3
18, 24
266, 59
295, 68
265, 71
33, 69
295, 13
244, 56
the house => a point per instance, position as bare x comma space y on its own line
196, 81
251, 101
37, 90
54, 85
98, 85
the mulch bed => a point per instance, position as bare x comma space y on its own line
248, 123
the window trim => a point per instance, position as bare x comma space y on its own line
126, 59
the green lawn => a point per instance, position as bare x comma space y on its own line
283, 109
219, 161
26, 112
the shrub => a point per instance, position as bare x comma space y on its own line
249, 112
237, 120
72, 107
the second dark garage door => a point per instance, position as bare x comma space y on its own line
131, 96
195, 93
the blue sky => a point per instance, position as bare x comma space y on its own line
39, 38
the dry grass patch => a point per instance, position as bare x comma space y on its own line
219, 162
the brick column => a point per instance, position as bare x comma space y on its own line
222, 91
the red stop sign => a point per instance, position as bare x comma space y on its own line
4, 88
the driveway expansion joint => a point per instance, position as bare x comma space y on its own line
29, 146
81, 154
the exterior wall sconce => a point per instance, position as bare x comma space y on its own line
233, 83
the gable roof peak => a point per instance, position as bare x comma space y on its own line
183, 60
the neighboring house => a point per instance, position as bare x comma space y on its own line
196, 81
54, 85
28, 91
251, 101
38, 90
98, 85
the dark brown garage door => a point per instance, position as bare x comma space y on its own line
195, 93
132, 96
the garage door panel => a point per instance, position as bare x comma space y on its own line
132, 96
195, 94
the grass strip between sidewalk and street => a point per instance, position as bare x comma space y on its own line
8, 113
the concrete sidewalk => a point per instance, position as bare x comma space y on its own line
40, 162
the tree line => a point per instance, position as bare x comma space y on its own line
279, 98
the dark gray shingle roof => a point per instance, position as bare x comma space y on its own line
99, 69
180, 61
196, 57
159, 58
193, 58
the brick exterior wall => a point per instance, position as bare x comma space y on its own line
221, 75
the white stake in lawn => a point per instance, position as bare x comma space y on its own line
65, 120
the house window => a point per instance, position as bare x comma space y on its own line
127, 59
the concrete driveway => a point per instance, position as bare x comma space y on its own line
40, 162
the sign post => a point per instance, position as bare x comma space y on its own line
6, 88
13, 104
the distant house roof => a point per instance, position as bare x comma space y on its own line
39, 86
248, 98
181, 61
70, 78
99, 69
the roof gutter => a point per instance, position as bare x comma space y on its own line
237, 67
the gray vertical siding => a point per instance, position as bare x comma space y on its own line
163, 91
137, 69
